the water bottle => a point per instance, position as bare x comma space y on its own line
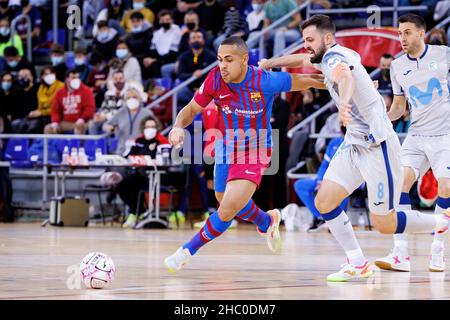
73, 157
361, 222
82, 158
98, 154
65, 156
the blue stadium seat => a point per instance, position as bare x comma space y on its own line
91, 145
253, 57
17, 153
70, 60
61, 36
164, 82
113, 143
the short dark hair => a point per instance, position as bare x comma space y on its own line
417, 20
80, 50
158, 123
57, 48
102, 23
137, 15
10, 52
47, 67
237, 41
387, 56
71, 71
165, 12
321, 22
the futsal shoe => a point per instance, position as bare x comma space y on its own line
350, 272
272, 234
394, 262
176, 261
131, 221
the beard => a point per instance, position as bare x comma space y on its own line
319, 54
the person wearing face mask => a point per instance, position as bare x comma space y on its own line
5, 37
113, 13
9, 94
191, 63
72, 107
81, 64
113, 101
58, 61
192, 23
140, 36
384, 78
105, 41
126, 62
144, 145
27, 100
38, 118
125, 123
255, 22
164, 47
138, 6
14, 62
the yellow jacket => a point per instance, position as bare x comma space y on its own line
45, 96
146, 12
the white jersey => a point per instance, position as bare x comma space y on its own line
370, 123
424, 83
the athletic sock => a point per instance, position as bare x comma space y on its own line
253, 214
442, 204
213, 228
341, 228
401, 239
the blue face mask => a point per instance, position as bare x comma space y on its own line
6, 86
57, 60
137, 29
138, 5
13, 63
121, 53
4, 31
102, 36
80, 61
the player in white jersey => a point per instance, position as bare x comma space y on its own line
370, 152
420, 77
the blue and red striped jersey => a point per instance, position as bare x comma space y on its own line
244, 109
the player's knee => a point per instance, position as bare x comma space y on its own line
444, 188
383, 224
323, 203
219, 196
227, 212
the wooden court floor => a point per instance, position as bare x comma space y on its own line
40, 263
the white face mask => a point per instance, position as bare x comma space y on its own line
149, 133
75, 84
133, 103
49, 79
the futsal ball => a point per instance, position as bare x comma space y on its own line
97, 270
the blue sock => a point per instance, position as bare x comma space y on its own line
213, 228
253, 214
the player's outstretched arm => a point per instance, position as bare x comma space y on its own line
184, 118
397, 108
290, 61
302, 82
343, 77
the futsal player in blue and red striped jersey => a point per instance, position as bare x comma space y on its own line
244, 95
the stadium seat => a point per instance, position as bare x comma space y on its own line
253, 57
90, 146
164, 82
17, 153
113, 143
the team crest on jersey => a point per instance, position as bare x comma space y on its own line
255, 96
333, 62
227, 110
432, 65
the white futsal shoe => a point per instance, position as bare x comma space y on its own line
351, 272
394, 262
176, 261
272, 235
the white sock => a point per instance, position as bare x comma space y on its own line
342, 230
401, 239
401, 244
417, 222
439, 237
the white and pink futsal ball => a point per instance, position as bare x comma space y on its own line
97, 270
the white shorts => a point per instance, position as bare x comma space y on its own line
419, 153
379, 166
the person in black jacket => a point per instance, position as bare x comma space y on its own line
9, 94
191, 63
140, 37
28, 101
106, 40
192, 22
14, 62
